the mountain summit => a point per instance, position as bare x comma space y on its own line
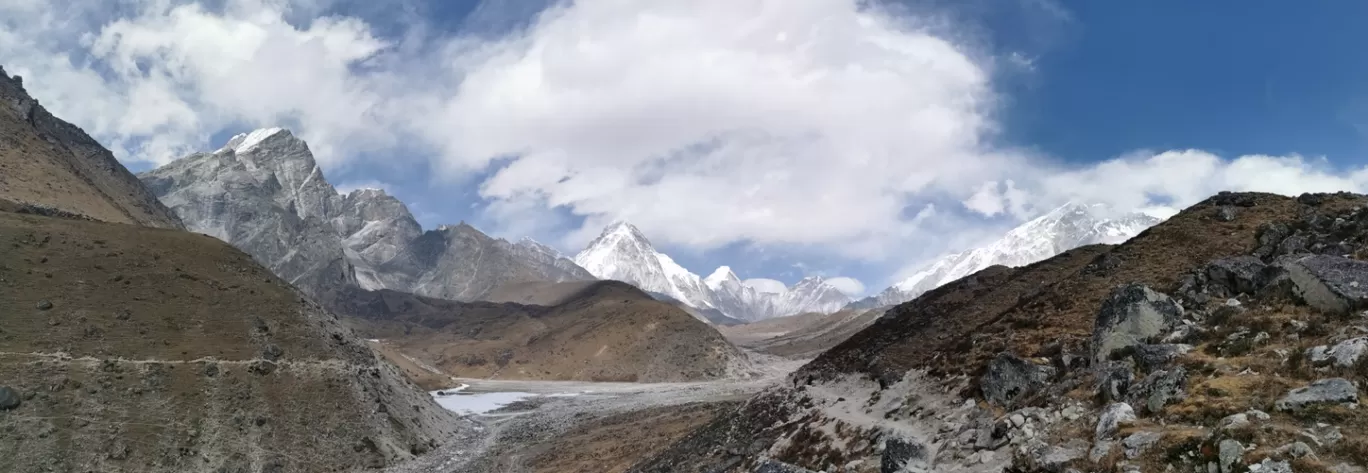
264, 193
1065, 228
622, 252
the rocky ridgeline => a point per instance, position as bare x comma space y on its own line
1250, 362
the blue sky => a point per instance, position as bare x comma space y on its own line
808, 137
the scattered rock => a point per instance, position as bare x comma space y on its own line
901, 453
1330, 283
1234, 422
1112, 418
1343, 354
1011, 377
1270, 234
272, 352
1270, 466
1227, 213
1229, 453
1138, 442
1132, 315
1295, 450
9, 398
1160, 388
1325, 391
1100, 450
44, 304
1152, 357
1018, 420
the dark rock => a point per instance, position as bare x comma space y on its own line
1159, 389
1325, 391
44, 304
899, 453
1152, 357
1114, 380
261, 367
1270, 235
1311, 199
1011, 377
1132, 315
1330, 283
9, 398
1237, 275
1234, 198
211, 370
272, 352
1227, 213
1297, 244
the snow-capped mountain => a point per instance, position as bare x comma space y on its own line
1062, 229
264, 193
623, 253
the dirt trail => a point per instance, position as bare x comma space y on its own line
573, 426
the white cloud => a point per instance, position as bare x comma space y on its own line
770, 286
849, 286
822, 125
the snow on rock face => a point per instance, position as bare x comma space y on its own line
622, 252
245, 142
1063, 229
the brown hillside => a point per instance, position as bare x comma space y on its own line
137, 349
51, 164
608, 331
801, 336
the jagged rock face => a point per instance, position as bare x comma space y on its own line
264, 193
1063, 229
49, 164
623, 253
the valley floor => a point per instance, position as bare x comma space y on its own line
569, 426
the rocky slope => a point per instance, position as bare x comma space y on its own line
48, 165
802, 336
1228, 338
599, 331
623, 253
1062, 229
264, 193
131, 348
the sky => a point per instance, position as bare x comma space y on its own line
784, 138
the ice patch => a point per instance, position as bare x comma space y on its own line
480, 403
246, 141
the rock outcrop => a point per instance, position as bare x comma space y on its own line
264, 193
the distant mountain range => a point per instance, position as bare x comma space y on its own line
264, 193
1062, 229
623, 253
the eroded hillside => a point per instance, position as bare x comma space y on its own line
1226, 339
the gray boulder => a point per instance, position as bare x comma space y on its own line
1270, 466
1112, 418
768, 465
1159, 389
1330, 283
900, 453
1138, 442
1229, 453
9, 398
1343, 354
1011, 377
1133, 315
1325, 391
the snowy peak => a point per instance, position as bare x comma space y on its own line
246, 142
721, 277
1065, 228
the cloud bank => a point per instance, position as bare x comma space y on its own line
832, 126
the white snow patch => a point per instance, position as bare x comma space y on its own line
248, 141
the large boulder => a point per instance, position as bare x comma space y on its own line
1011, 377
1325, 391
1240, 275
1332, 284
1133, 315
1343, 354
1113, 417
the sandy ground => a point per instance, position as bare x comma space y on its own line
561, 425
